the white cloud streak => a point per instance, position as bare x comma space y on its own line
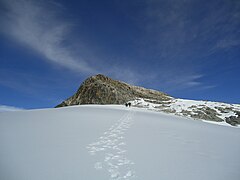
4, 108
183, 33
41, 27
184, 27
37, 25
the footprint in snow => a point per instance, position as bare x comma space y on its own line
110, 149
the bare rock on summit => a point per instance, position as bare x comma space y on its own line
101, 89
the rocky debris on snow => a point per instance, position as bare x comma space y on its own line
202, 110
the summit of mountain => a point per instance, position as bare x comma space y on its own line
100, 89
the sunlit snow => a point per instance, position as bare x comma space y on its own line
113, 142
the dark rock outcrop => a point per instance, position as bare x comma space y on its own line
234, 120
100, 89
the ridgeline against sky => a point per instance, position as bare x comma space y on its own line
189, 49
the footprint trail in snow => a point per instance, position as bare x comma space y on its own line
110, 150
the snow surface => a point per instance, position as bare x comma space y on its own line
95, 142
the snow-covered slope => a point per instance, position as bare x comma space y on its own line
114, 142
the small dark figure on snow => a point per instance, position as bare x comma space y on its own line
128, 104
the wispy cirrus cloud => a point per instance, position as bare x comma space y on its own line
174, 82
181, 28
42, 27
181, 35
176, 34
4, 108
38, 25
169, 42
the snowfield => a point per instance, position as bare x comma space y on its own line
112, 142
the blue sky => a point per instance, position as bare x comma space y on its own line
188, 49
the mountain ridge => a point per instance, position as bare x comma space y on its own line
100, 89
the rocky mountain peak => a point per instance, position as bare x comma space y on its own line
100, 89
98, 77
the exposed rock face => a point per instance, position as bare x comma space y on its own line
234, 120
100, 89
